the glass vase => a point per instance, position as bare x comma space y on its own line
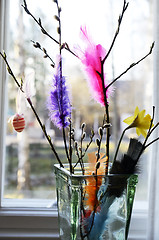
94, 207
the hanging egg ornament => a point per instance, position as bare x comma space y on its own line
18, 122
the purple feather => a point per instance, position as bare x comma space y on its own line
58, 101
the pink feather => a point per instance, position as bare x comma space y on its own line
91, 58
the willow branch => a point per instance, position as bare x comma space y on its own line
117, 149
88, 145
70, 140
85, 151
149, 130
106, 113
131, 66
156, 139
46, 55
10, 70
43, 30
125, 6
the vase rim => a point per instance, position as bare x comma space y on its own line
66, 171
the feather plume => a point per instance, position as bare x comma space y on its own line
101, 219
58, 102
93, 184
29, 86
96, 199
91, 58
127, 165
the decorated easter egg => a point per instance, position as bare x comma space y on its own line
18, 122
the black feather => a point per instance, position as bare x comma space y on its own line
127, 165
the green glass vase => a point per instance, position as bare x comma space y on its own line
94, 207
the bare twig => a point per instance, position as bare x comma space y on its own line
131, 66
43, 30
106, 111
10, 70
125, 6
118, 146
149, 130
88, 145
46, 55
71, 133
156, 139
81, 156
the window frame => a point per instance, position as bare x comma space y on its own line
38, 223
3, 82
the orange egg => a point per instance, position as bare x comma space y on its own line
18, 122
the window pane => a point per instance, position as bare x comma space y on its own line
29, 159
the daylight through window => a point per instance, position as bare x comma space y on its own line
29, 159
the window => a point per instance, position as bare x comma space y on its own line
29, 160
15, 221
30, 214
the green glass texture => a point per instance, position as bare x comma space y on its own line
108, 218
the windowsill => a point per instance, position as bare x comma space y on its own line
28, 203
26, 223
138, 224
41, 223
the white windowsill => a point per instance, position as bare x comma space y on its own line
41, 223
28, 223
28, 203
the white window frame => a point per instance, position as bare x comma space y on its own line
153, 213
39, 223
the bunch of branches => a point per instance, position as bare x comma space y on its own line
72, 143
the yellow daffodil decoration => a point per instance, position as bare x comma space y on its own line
140, 121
